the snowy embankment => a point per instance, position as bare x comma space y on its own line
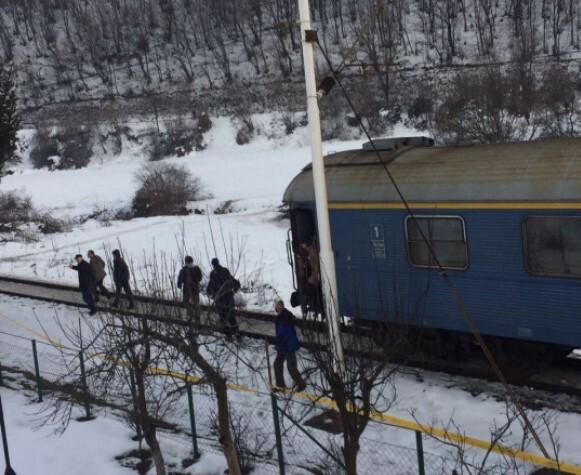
252, 177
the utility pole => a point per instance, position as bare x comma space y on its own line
326, 255
9, 470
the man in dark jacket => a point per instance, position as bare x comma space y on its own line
98, 268
221, 288
189, 280
86, 282
121, 278
287, 344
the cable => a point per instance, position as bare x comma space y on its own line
451, 287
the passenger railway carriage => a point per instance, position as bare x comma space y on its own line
503, 220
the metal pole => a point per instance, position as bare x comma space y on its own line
36, 370
9, 470
277, 433
420, 449
193, 420
327, 258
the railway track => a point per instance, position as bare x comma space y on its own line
562, 378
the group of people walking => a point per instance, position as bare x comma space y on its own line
92, 275
221, 287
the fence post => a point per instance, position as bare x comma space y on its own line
420, 449
37, 371
134, 398
277, 434
193, 421
9, 469
85, 388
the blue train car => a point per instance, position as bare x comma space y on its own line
503, 220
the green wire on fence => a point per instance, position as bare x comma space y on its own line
277, 433
420, 449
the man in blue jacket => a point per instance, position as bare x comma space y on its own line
287, 344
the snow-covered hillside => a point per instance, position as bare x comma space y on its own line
252, 177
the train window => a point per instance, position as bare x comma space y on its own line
553, 246
447, 238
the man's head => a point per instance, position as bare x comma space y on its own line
215, 263
79, 258
189, 260
278, 306
91, 254
116, 253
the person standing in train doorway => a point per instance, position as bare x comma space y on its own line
189, 280
121, 278
287, 344
86, 282
313, 276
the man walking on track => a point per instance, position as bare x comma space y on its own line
86, 282
287, 344
121, 278
189, 280
98, 268
221, 288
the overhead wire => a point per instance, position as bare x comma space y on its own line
458, 300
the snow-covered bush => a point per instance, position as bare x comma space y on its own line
245, 131
15, 210
44, 149
19, 220
62, 149
164, 190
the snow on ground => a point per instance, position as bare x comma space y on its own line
87, 448
434, 398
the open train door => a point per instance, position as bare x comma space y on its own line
303, 228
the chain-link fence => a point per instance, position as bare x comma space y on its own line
274, 433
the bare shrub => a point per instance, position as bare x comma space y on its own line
180, 139
164, 190
421, 111
48, 224
484, 107
561, 110
44, 149
15, 211
251, 443
226, 207
76, 147
19, 218
204, 123
67, 148
246, 130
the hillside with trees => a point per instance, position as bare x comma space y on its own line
433, 62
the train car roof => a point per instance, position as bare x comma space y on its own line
546, 170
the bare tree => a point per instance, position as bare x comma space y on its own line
362, 385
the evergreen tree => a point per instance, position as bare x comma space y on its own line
9, 118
